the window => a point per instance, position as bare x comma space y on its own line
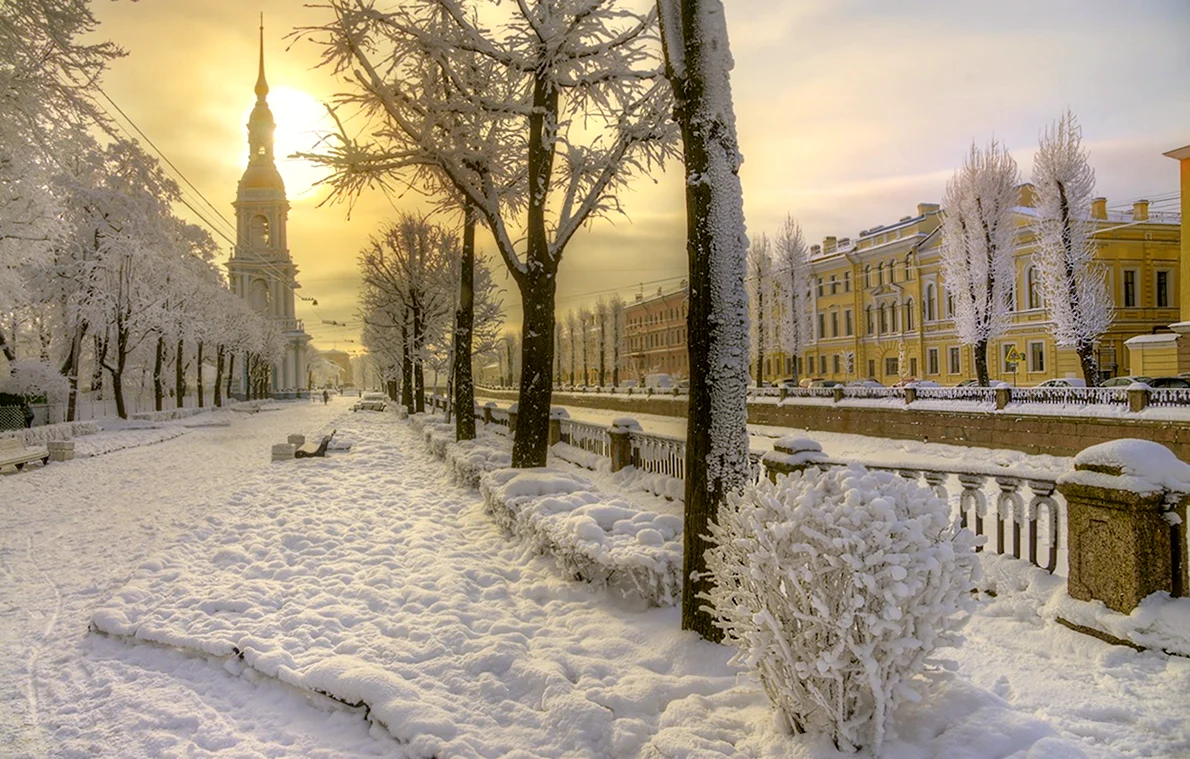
846, 281
834, 284
822, 364
871, 320
868, 276
880, 274
837, 363
908, 266
872, 368
1129, 288
949, 306
1037, 356
890, 366
834, 323
821, 325
820, 287
883, 320
955, 359
1005, 351
932, 361
1162, 289
931, 298
913, 366
259, 232
892, 270
848, 326
1032, 285
909, 315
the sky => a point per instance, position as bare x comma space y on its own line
849, 114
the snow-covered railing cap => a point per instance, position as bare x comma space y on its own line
490, 404
1137, 465
625, 424
1001, 383
793, 444
513, 407
557, 412
1139, 386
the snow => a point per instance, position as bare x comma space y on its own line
1144, 467
370, 576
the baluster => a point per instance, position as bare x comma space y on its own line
909, 474
1043, 496
1009, 503
937, 483
973, 497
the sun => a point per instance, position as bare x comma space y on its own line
300, 119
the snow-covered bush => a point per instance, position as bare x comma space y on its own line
837, 586
33, 378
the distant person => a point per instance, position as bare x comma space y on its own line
325, 397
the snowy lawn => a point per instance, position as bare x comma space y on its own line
232, 590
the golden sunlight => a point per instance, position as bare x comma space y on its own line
300, 118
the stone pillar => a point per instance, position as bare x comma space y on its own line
297, 440
837, 391
60, 450
1003, 397
620, 433
910, 395
1126, 527
793, 454
1138, 398
283, 451
557, 414
782, 393
487, 411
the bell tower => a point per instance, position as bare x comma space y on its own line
260, 269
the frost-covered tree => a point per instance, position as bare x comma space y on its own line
698, 66
564, 102
761, 301
616, 313
793, 273
585, 320
978, 245
1073, 284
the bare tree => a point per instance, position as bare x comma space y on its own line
760, 284
793, 273
978, 245
530, 75
1073, 284
616, 309
698, 66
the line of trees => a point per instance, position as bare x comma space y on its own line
590, 345
99, 279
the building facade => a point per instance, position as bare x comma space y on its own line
882, 311
655, 335
260, 269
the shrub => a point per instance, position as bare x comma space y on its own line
837, 587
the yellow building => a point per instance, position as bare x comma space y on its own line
881, 309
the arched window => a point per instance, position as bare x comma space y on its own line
909, 315
871, 320
1032, 284
883, 320
880, 274
868, 276
931, 299
949, 306
258, 232
892, 270
908, 266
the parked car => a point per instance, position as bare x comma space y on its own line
371, 402
1168, 382
1064, 382
922, 383
658, 381
682, 386
824, 383
809, 381
968, 383
1124, 381
787, 382
864, 383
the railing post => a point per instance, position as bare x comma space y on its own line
910, 395
782, 393
792, 454
1003, 397
487, 412
1138, 397
1123, 541
512, 411
837, 390
557, 414
620, 434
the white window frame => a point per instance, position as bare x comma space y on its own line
933, 365
1029, 355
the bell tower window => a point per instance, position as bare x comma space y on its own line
259, 232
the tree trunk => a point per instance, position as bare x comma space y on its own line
406, 366
419, 374
180, 375
97, 370
717, 323
158, 363
220, 351
603, 353
533, 412
198, 370
759, 333
117, 372
70, 368
231, 371
1086, 358
6, 347
980, 349
464, 389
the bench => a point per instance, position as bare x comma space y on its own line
13, 451
309, 450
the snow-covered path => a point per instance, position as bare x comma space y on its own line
70, 534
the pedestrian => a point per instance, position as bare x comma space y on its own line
325, 397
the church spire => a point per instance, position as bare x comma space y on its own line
262, 86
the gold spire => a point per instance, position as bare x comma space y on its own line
262, 87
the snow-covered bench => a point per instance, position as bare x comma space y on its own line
309, 450
13, 451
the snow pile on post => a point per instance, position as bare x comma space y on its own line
469, 459
837, 587
602, 539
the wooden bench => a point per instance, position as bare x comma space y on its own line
13, 451
309, 450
